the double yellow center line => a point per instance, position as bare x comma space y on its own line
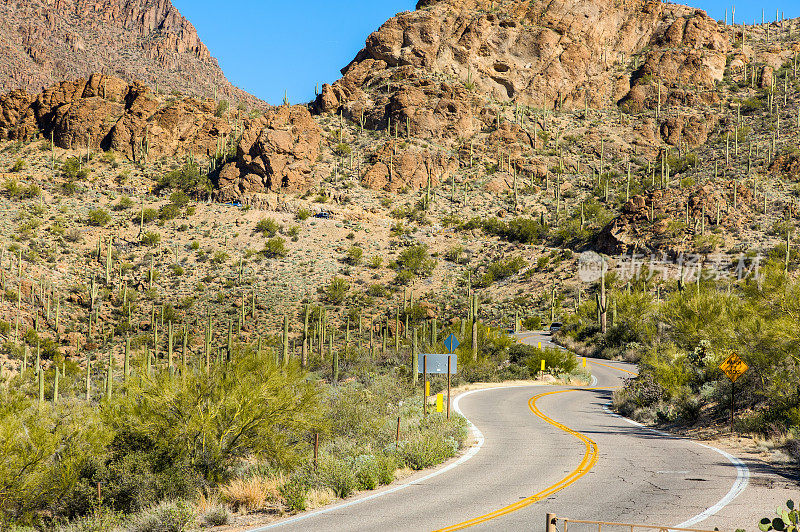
588, 462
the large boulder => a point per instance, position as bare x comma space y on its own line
276, 152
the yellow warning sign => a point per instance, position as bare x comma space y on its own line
733, 367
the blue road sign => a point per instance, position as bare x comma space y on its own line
451, 343
437, 363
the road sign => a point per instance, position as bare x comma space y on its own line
436, 363
451, 343
733, 367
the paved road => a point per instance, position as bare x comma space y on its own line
573, 459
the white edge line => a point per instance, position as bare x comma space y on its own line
479, 440
739, 485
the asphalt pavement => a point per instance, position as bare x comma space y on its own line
551, 449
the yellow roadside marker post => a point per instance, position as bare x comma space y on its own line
439, 402
539, 345
543, 365
584, 362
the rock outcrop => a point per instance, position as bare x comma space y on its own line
44, 42
276, 150
394, 169
107, 113
430, 70
663, 220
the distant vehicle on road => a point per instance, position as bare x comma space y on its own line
555, 327
324, 214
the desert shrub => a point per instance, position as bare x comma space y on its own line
151, 238
354, 255
336, 290
275, 247
72, 170
98, 217
559, 360
216, 516
294, 493
100, 519
18, 166
168, 516
169, 211
258, 410
123, 204
302, 214
267, 227
416, 260
338, 475
187, 179
426, 450
42, 449
222, 108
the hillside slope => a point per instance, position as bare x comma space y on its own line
43, 42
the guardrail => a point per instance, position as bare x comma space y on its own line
552, 522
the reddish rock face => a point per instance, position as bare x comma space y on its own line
394, 169
431, 70
47, 41
644, 224
276, 152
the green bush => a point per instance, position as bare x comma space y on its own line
275, 247
123, 204
187, 179
294, 494
303, 214
169, 211
336, 291
151, 239
98, 217
267, 227
72, 170
558, 360
169, 516
354, 255
416, 260
426, 450
339, 476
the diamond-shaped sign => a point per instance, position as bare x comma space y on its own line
733, 367
451, 343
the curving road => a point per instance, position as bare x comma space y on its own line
548, 449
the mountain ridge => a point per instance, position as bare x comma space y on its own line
45, 42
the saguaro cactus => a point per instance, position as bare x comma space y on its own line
602, 304
285, 339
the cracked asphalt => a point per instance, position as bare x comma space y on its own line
640, 476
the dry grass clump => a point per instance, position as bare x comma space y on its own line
253, 493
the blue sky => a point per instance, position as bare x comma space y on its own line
268, 47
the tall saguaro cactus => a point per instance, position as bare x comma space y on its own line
602, 303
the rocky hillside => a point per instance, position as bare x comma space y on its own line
44, 42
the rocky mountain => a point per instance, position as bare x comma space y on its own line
617, 125
430, 65
44, 42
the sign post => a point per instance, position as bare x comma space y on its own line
733, 368
437, 363
451, 343
425, 385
